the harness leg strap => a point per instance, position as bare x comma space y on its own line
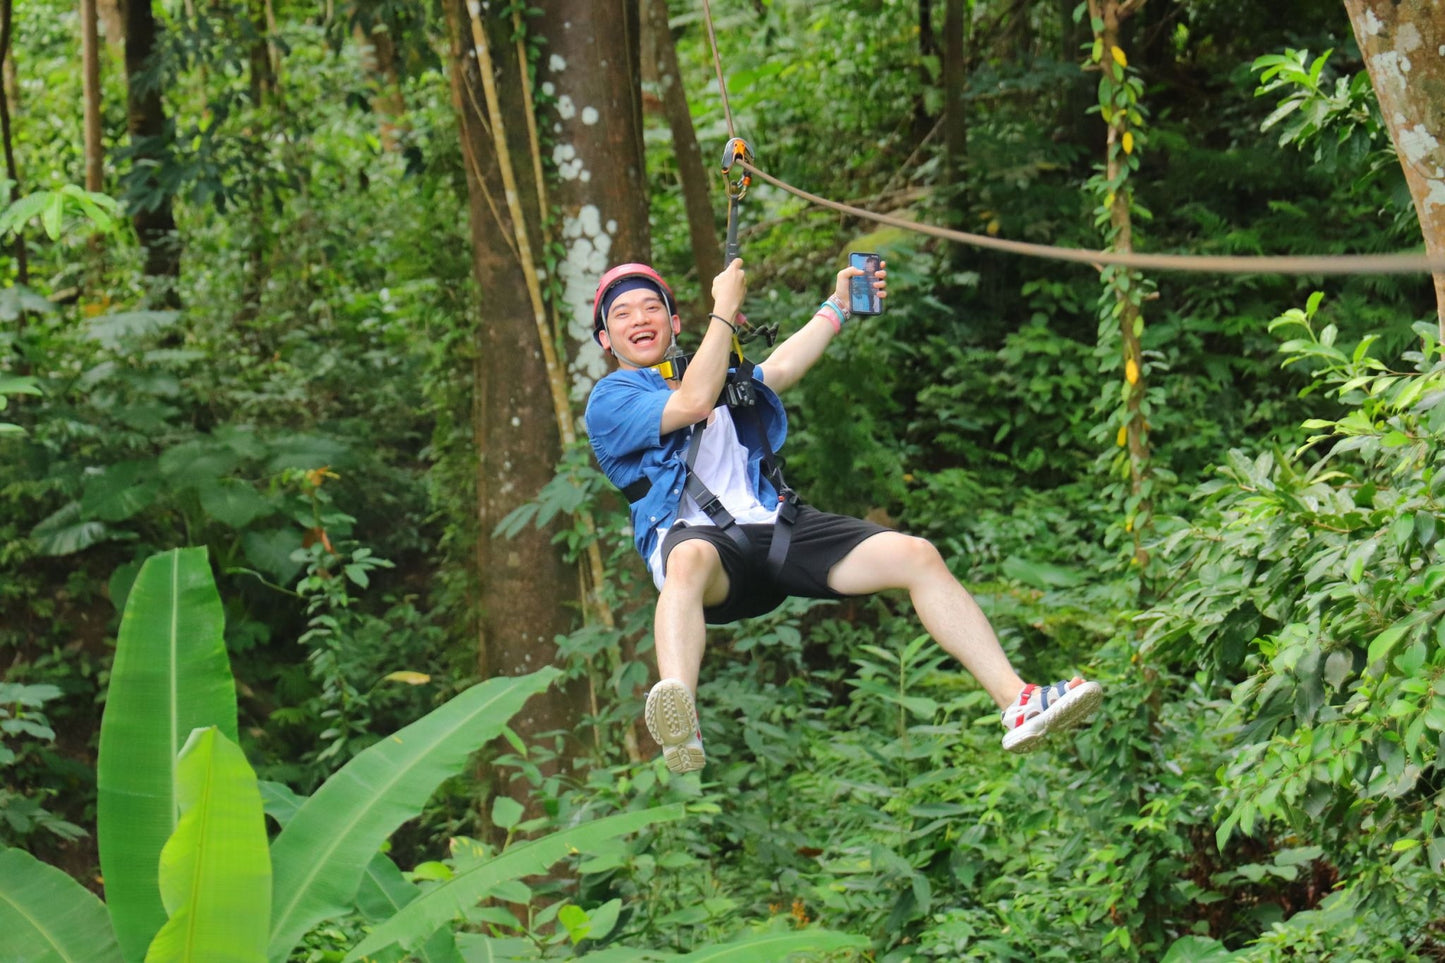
782, 532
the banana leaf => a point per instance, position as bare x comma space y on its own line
384, 889
451, 899
215, 875
170, 675
47, 917
319, 858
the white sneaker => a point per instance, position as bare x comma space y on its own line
1040, 710
672, 720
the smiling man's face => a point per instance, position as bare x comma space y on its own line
638, 323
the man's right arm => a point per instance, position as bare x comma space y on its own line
702, 382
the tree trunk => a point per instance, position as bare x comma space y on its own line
90, 73
526, 590
923, 121
155, 223
955, 117
6, 23
1403, 42
697, 198
378, 58
263, 69
592, 59
112, 23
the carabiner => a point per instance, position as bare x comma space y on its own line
736, 150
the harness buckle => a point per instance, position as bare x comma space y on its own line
739, 394
713, 506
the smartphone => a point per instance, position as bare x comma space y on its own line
862, 296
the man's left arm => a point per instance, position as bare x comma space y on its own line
791, 360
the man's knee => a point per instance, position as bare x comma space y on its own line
922, 557
693, 559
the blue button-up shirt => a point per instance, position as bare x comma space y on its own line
624, 424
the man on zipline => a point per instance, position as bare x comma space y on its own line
691, 442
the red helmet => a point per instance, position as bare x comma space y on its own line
615, 277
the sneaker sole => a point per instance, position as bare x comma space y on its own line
1071, 710
672, 720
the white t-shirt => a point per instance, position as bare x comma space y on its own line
722, 465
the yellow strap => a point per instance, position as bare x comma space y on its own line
668, 370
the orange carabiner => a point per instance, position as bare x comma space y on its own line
736, 150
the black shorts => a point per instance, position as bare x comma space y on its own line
820, 541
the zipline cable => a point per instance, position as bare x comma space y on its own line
1213, 264
1206, 263
717, 66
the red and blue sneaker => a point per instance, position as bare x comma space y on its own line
1041, 710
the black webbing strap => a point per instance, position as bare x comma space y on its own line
783, 528
710, 504
739, 394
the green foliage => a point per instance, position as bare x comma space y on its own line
12, 385
46, 915
215, 870
1310, 586
1264, 781
58, 211
1309, 110
23, 729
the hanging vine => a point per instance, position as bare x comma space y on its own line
1121, 302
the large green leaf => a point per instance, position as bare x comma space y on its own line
215, 874
121, 491
384, 889
451, 899
232, 501
64, 532
170, 676
270, 550
46, 916
125, 328
319, 858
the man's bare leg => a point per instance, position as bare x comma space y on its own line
892, 560
953, 618
694, 579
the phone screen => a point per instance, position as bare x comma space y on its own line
862, 296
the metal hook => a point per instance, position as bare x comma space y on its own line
735, 150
